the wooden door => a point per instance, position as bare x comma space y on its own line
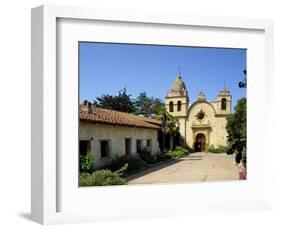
128, 146
201, 142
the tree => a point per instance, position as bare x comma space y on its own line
122, 102
162, 115
243, 83
237, 129
147, 105
173, 129
169, 124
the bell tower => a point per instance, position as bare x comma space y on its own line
224, 100
177, 100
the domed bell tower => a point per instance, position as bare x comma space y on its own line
177, 100
176, 103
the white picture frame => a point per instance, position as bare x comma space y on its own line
51, 206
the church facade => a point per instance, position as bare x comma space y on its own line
201, 123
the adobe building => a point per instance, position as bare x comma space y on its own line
106, 133
203, 122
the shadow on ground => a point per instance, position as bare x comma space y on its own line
164, 165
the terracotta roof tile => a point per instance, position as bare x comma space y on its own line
151, 120
111, 117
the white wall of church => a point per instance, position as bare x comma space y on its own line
182, 126
116, 136
175, 100
219, 134
212, 126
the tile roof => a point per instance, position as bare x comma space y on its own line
111, 117
151, 120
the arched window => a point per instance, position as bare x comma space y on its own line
171, 106
179, 105
223, 104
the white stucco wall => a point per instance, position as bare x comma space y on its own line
219, 134
182, 126
116, 136
175, 99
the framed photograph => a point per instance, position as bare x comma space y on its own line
141, 114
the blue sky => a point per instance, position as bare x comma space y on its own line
107, 68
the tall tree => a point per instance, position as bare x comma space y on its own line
173, 129
163, 116
146, 105
169, 124
237, 129
122, 102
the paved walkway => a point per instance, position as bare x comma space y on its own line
195, 167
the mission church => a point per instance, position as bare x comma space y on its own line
201, 123
106, 133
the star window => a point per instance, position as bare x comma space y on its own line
200, 115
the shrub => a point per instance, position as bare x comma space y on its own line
230, 149
87, 163
147, 157
117, 162
134, 163
244, 157
162, 157
189, 149
178, 152
181, 149
220, 149
103, 177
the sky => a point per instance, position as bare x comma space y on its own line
106, 68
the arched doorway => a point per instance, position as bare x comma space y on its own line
200, 143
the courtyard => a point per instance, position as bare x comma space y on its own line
196, 167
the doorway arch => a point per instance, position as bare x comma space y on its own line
200, 143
